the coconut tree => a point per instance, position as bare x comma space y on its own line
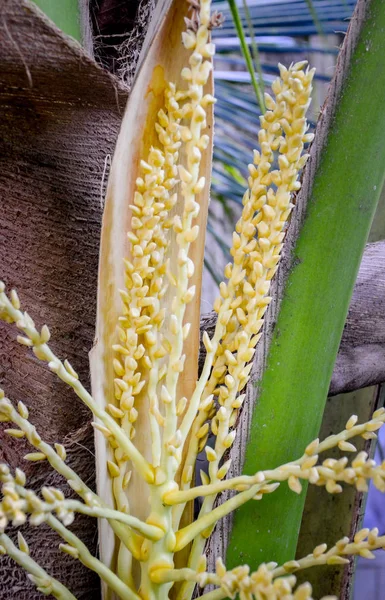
62, 114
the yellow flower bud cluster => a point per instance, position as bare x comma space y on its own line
150, 356
332, 471
364, 543
149, 363
146, 334
257, 243
255, 585
277, 582
192, 184
56, 455
259, 233
306, 467
17, 502
38, 342
140, 344
273, 581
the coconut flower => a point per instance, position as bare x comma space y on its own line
149, 363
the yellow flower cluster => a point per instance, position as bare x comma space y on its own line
145, 284
15, 508
18, 503
141, 346
270, 580
332, 471
257, 240
259, 584
38, 341
327, 474
150, 350
278, 583
257, 243
149, 364
364, 543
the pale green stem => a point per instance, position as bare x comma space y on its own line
196, 397
174, 575
199, 491
124, 559
58, 464
187, 534
184, 575
220, 449
43, 352
200, 419
246, 53
219, 331
150, 532
191, 417
92, 563
183, 496
315, 18
39, 575
156, 439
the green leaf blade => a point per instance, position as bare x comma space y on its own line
64, 13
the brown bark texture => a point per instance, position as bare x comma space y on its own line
60, 116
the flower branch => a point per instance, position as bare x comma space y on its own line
45, 584
304, 467
10, 312
56, 457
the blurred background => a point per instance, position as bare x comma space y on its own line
273, 31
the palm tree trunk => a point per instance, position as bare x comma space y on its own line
60, 119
